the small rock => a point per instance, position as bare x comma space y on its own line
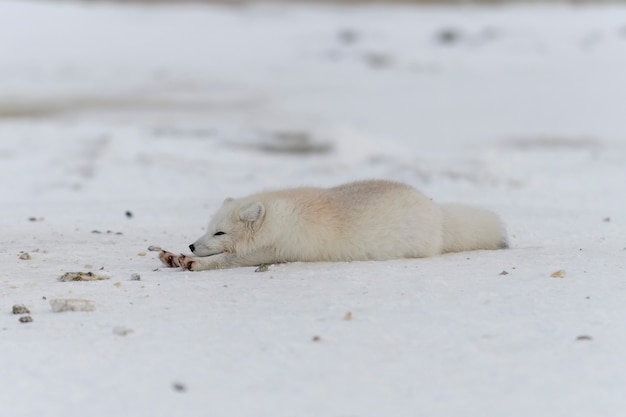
606, 220
141, 254
558, 274
584, 337
118, 284
179, 387
129, 214
348, 316
121, 330
25, 319
135, 277
262, 268
348, 36
153, 248
448, 36
316, 338
20, 309
60, 305
96, 231
25, 256
504, 273
377, 60
82, 276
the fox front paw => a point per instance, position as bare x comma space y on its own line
187, 262
169, 259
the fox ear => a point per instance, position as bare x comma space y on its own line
228, 200
253, 214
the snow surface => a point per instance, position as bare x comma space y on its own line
165, 111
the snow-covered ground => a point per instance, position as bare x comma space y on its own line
162, 112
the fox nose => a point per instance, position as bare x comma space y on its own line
192, 247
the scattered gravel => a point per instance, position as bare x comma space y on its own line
82, 276
60, 305
20, 309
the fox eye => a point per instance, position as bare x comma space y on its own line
219, 234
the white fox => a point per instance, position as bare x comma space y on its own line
359, 221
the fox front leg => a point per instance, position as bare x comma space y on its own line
219, 261
169, 259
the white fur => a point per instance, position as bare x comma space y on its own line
365, 220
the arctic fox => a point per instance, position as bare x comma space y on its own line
359, 221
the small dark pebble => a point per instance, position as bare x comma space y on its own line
504, 273
377, 59
448, 36
135, 277
25, 319
583, 337
262, 268
316, 338
348, 36
129, 214
178, 387
96, 231
606, 219
20, 309
32, 219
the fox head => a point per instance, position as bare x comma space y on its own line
231, 229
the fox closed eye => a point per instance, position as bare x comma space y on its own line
219, 234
